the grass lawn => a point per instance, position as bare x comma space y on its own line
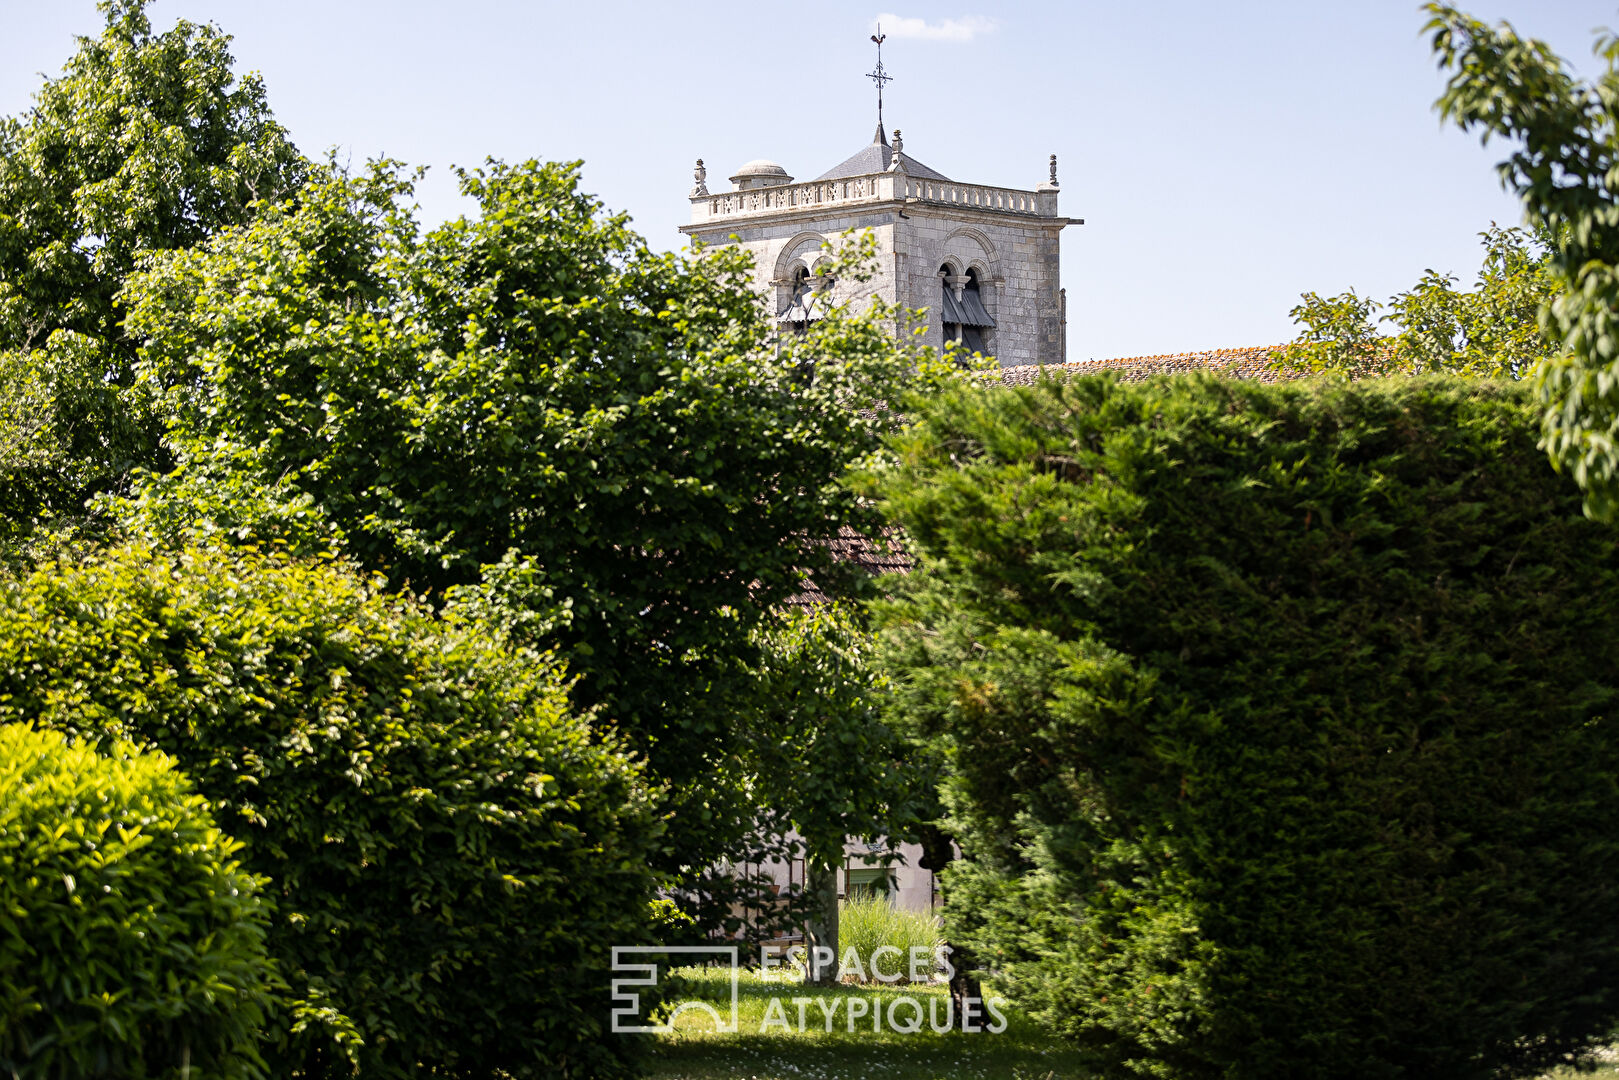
694, 1051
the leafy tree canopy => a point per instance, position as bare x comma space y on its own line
533, 416
836, 756
146, 141
66, 434
1563, 167
1491, 331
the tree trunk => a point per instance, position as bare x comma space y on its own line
821, 931
966, 995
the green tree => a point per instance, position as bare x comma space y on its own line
1491, 330
1339, 335
534, 415
146, 142
832, 765
1565, 168
67, 434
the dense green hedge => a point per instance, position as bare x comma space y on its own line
452, 851
131, 943
1282, 719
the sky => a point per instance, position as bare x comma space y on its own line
1224, 156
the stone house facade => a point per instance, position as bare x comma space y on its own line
985, 262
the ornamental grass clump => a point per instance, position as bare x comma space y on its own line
453, 849
132, 944
872, 923
1285, 720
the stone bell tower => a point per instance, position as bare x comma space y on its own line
984, 261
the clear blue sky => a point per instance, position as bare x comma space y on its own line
1225, 156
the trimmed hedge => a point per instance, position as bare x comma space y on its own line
1282, 720
131, 942
452, 850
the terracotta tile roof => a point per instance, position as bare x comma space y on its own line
884, 556
1247, 363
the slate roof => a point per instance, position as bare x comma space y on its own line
875, 158
805, 306
968, 311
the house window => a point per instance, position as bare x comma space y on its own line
965, 318
866, 884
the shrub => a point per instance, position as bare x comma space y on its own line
453, 851
868, 924
1282, 720
131, 943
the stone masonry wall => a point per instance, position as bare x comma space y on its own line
777, 247
1013, 248
1018, 271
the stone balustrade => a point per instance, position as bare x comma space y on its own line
975, 196
879, 187
770, 200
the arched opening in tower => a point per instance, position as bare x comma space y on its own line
800, 310
965, 318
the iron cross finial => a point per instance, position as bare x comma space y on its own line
881, 77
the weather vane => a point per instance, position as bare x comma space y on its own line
880, 77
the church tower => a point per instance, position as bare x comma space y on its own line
984, 261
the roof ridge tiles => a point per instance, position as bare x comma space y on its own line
1243, 361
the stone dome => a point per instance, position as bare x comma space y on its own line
760, 173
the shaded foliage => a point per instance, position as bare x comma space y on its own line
839, 769
832, 767
68, 433
1280, 720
